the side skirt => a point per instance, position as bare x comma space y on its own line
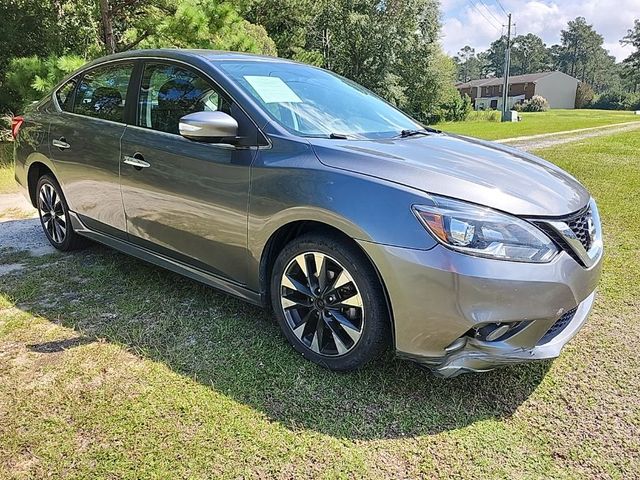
166, 262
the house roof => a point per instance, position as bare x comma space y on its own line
487, 82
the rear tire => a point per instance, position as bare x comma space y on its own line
54, 216
329, 303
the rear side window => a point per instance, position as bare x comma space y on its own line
169, 92
102, 92
64, 95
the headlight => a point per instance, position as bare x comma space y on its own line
485, 232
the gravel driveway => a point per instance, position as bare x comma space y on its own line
534, 142
20, 226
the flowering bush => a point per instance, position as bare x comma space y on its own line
536, 104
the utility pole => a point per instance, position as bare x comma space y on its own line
507, 66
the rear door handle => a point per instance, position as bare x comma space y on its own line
136, 161
61, 143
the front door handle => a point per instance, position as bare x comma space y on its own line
61, 143
136, 161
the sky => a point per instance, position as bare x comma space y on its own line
464, 25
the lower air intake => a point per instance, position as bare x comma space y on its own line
558, 327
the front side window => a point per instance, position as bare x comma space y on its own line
64, 95
169, 92
314, 102
102, 92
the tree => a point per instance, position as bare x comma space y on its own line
496, 56
582, 55
128, 24
390, 47
468, 64
529, 55
484, 66
29, 78
286, 21
580, 51
603, 72
631, 64
584, 95
53, 29
45, 27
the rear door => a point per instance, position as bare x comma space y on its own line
186, 199
85, 144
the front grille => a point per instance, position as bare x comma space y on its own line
579, 224
558, 327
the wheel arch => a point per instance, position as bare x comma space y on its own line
289, 231
36, 170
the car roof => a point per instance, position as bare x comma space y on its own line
213, 56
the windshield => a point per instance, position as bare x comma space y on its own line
313, 102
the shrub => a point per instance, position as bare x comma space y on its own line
584, 95
454, 109
609, 100
458, 110
5, 129
536, 104
485, 116
617, 100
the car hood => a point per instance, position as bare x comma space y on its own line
477, 171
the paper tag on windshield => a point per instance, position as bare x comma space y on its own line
272, 89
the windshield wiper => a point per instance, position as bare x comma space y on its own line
422, 131
338, 136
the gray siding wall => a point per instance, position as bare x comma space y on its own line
559, 89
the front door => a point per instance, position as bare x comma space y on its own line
184, 199
85, 144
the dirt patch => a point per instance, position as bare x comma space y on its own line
16, 201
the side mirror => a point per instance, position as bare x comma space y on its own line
214, 127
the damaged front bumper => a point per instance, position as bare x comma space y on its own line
444, 302
473, 355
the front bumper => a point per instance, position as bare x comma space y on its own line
478, 356
439, 296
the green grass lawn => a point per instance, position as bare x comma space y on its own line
536, 123
7, 182
112, 368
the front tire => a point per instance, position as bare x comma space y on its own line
54, 216
329, 302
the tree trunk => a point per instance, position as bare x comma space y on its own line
326, 48
573, 61
107, 27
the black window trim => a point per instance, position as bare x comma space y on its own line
72, 93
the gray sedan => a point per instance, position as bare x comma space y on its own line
300, 191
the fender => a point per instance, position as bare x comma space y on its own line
295, 186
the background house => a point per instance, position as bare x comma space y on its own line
558, 88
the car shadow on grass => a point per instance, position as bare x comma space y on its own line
238, 350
